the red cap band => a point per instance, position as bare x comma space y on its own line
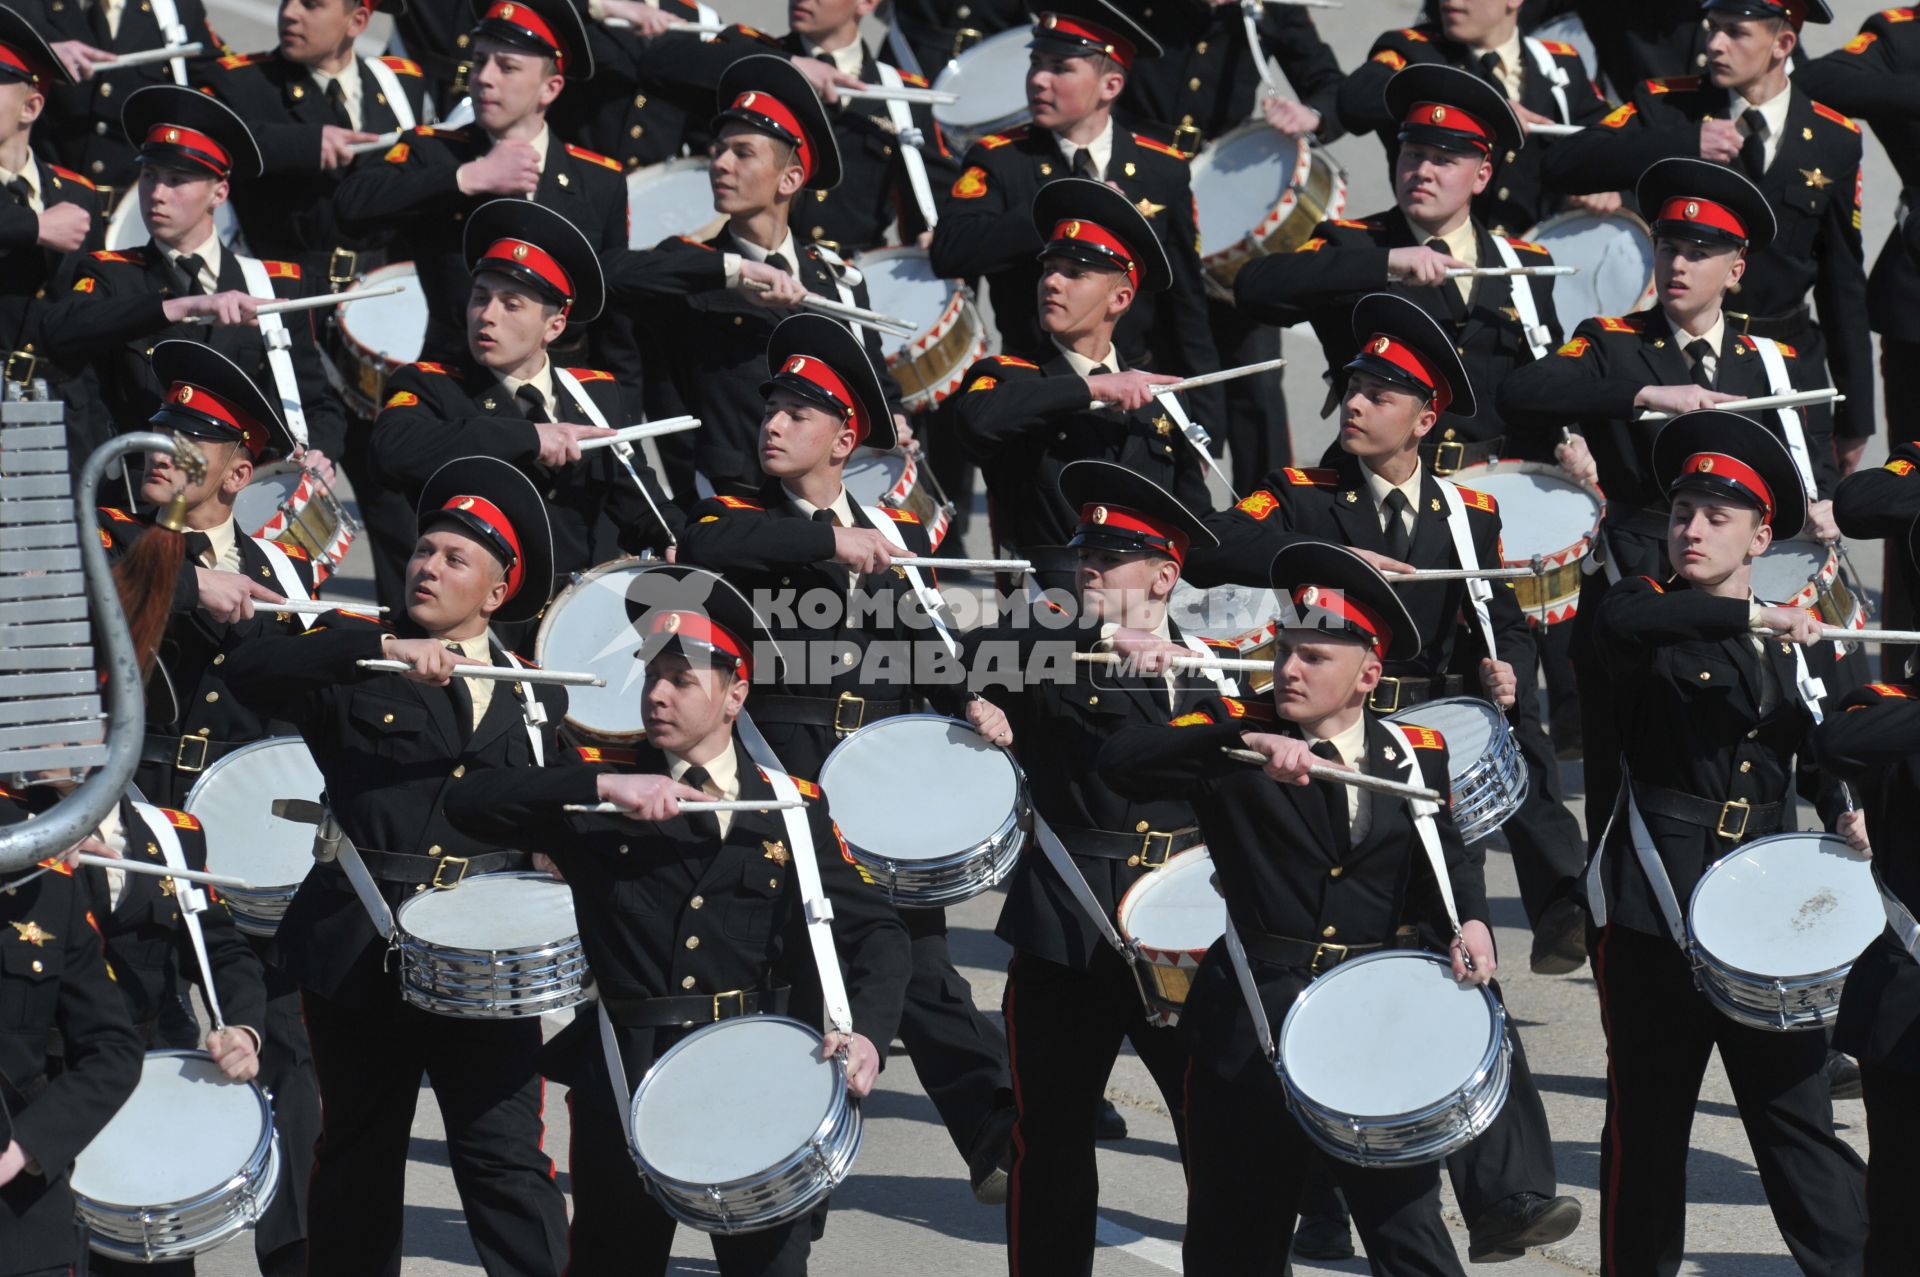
531, 257
202, 147
494, 517
701, 629
1688, 208
208, 404
11, 58
1410, 361
776, 113
1721, 466
1440, 115
815, 372
1347, 609
1109, 517
1112, 43
1081, 231
524, 17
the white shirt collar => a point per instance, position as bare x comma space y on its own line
223, 538
1774, 110
541, 381
1378, 487
849, 59
1083, 366
724, 768
1713, 336
1102, 148
842, 505
1352, 743
755, 253
478, 647
209, 253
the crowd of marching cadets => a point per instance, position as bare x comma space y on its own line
150, 214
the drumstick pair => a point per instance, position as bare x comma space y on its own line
309, 303
1206, 379
497, 673
1340, 776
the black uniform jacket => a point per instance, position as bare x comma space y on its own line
1634, 39
987, 229
1873, 740
56, 993
1882, 501
938, 30
1023, 422
1207, 76
438, 411
289, 213
1699, 711
1278, 868
1335, 505
1516, 199
1813, 185
32, 280
627, 114
111, 318
666, 911
389, 748
1347, 258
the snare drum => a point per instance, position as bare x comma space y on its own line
991, 79
1387, 1061
742, 1126
932, 364
667, 199
1258, 192
377, 336
1545, 513
189, 1160
586, 628
233, 800
1488, 779
1615, 256
1172, 915
1806, 574
896, 481
294, 506
127, 226
500, 946
964, 827
1775, 926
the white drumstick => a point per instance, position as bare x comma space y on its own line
872, 319
1338, 776
694, 805
1308, 4
310, 303
380, 143
1840, 634
146, 57
1501, 272
1556, 130
960, 565
906, 93
645, 430
1760, 403
1229, 664
1208, 379
318, 605
498, 673
161, 871
1537, 568
690, 28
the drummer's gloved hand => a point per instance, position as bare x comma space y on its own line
228, 309
1820, 522
236, 1050
336, 143
1477, 942
1794, 624
320, 463
863, 1062
511, 167
1497, 677
649, 797
1679, 399
1288, 757
228, 596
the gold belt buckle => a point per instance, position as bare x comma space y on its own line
1459, 456
1338, 952
341, 268
1145, 858
181, 754
1745, 809
441, 868
12, 368
739, 997
1373, 697
859, 704
1187, 138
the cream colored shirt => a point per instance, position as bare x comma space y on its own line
1101, 147
1379, 488
541, 381
730, 262
209, 252
113, 9
349, 88
1713, 337
723, 781
1774, 111
1512, 65
113, 833
1351, 745
842, 505
478, 649
1084, 366
1463, 245
35, 194
848, 60
223, 549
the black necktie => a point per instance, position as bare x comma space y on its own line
1449, 291
1753, 151
1490, 71
337, 99
1083, 165
533, 404
21, 190
1335, 797
198, 543
1699, 350
839, 572
703, 823
1398, 538
462, 696
190, 265
780, 263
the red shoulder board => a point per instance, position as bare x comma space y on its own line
1412, 34
1195, 719
282, 270
994, 141
739, 503
1153, 144
593, 157
899, 516
1559, 50
1619, 116
402, 66
133, 256
71, 176
62, 867
1674, 84
1575, 348
234, 61
1897, 15
1617, 324
438, 370
1423, 737
917, 81
1899, 466
590, 374
696, 243
1353, 225
179, 819
292, 551
607, 754
1860, 43
1317, 477
1527, 246
1657, 587
1890, 689
1013, 361
118, 516
1258, 505
806, 787
1822, 109
1478, 500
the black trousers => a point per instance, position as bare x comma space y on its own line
1543, 835
1660, 1032
959, 1055
1893, 1170
1064, 1028
286, 1069
369, 1061
1256, 427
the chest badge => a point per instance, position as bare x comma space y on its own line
1816, 179
776, 851
1162, 426
33, 933
1148, 208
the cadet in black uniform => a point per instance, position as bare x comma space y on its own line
1633, 40
702, 921
389, 745
1879, 502
1024, 421
58, 993
1543, 79
937, 31
1350, 876
124, 302
1704, 683
1082, 55
1747, 113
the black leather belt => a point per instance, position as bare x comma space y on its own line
439, 871
845, 713
1391, 694
1775, 327
1734, 820
190, 753
1150, 847
1444, 456
693, 1008
1317, 955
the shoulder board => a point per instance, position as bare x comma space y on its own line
438, 370
917, 81
118, 516
1781, 346
179, 819
1617, 323
1423, 737
1154, 144
1316, 477
1899, 466
607, 754
69, 175
1674, 84
1559, 49
694, 243
807, 788
1619, 116
1413, 33
993, 141
899, 516
1860, 43
1195, 719
235, 61
1897, 15
1657, 587
131, 256
1260, 710
402, 66
1890, 689
593, 157
282, 270
62, 867
1822, 109
1387, 57
1014, 361
1353, 224
590, 374
1574, 348
1258, 505
1477, 500
1527, 245
739, 503
401, 399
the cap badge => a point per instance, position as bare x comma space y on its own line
1310, 596
519, 252
673, 623
1380, 345
1692, 210
1050, 22
748, 101
1439, 115
799, 362
1706, 465
466, 503
1099, 514
186, 394
1073, 230
506, 11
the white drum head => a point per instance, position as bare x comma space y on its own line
1224, 612
493, 911
668, 199
1615, 257
734, 1100
261, 499
1541, 511
586, 628
870, 476
233, 800
901, 282
991, 79
1176, 908
1790, 905
1787, 568
1470, 725
183, 1133
1385, 1035
962, 788
1239, 180
395, 325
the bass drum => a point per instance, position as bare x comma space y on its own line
991, 80
668, 199
1615, 257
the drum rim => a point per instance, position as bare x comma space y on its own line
409, 941
277, 889
262, 1152
1564, 556
1022, 802
1740, 976
577, 583
1619, 216
1130, 898
942, 82
343, 312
